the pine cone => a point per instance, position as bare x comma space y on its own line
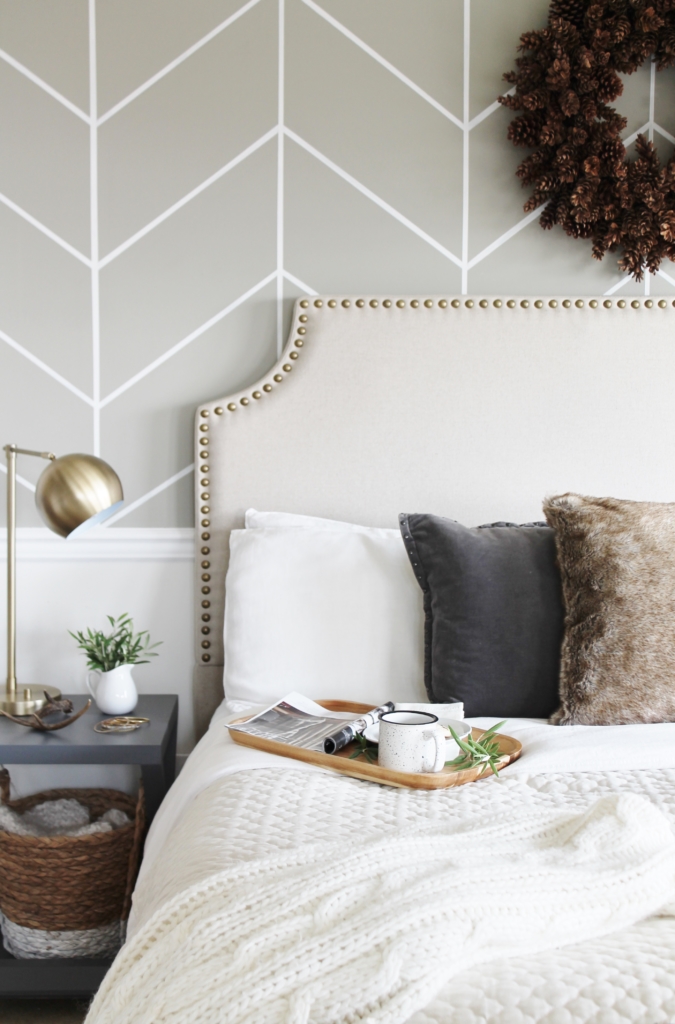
571, 10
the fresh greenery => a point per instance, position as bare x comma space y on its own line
121, 647
477, 752
365, 747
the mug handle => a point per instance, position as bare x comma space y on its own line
437, 735
90, 673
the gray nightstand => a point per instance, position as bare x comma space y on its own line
153, 747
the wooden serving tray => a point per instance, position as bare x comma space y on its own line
360, 768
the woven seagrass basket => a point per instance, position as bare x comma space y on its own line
63, 896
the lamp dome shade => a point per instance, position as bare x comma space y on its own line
76, 492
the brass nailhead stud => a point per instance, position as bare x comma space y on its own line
373, 303
206, 551
414, 303
443, 303
497, 303
524, 303
648, 303
511, 303
622, 303
206, 522
469, 303
455, 303
267, 388
298, 343
287, 367
206, 536
205, 510
218, 410
303, 319
206, 657
302, 330
206, 643
553, 304
206, 604
205, 630
346, 303
206, 565
244, 401
566, 303
293, 355
203, 440
318, 303
635, 304
539, 304
360, 303
205, 577
428, 303
332, 303
304, 303
607, 303
206, 618
206, 590
205, 495
387, 303
593, 303
257, 394
662, 303
483, 303
232, 407
400, 303
203, 426
205, 482
204, 412
579, 303
278, 378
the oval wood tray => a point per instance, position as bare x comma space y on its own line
360, 768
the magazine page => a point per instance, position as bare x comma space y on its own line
296, 720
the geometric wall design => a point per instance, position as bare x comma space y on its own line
173, 174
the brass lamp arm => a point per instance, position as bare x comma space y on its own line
27, 451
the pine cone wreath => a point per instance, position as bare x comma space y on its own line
565, 82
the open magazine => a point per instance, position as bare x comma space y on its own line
302, 722
296, 720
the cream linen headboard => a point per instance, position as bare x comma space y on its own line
471, 408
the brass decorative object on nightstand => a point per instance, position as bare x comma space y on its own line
73, 493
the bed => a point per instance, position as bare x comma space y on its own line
474, 408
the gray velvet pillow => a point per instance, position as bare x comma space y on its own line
617, 560
493, 614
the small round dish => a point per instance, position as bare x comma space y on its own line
123, 723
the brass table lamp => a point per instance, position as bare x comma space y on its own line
73, 493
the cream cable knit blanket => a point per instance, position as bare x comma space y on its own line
326, 935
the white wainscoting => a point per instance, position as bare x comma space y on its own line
64, 585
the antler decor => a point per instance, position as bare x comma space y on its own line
50, 707
565, 84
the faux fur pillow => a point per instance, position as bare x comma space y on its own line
617, 562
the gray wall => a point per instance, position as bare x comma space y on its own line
173, 173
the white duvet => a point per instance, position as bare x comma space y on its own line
233, 806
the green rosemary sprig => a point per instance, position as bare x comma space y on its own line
365, 747
477, 752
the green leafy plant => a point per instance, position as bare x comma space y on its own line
365, 747
477, 752
121, 647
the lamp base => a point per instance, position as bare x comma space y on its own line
27, 699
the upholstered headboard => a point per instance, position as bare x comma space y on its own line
472, 408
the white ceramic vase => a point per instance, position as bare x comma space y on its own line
115, 692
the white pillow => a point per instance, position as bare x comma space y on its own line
330, 611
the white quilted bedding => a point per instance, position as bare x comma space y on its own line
626, 977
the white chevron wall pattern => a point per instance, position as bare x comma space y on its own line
175, 172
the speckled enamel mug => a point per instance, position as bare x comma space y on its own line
411, 741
